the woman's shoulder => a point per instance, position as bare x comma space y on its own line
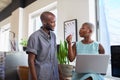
78, 42
96, 42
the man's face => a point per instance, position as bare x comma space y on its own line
50, 22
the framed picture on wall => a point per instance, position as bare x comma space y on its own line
70, 27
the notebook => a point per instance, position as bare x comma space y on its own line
92, 63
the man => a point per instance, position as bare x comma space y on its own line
41, 50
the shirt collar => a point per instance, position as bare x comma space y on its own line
45, 34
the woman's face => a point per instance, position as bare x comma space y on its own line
84, 31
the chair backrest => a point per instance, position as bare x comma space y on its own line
23, 72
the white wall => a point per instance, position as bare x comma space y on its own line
5, 21
15, 21
67, 9
74, 9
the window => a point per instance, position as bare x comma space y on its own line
109, 21
113, 20
4, 38
34, 20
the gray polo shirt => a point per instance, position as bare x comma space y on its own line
44, 47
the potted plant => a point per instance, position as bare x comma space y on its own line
63, 60
24, 43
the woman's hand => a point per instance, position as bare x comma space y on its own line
69, 39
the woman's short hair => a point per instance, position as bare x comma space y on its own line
90, 25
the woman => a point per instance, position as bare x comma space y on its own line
85, 46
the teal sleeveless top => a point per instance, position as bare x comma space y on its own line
91, 48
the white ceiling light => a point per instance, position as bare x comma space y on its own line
4, 4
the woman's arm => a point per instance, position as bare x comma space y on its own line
31, 59
101, 49
71, 49
71, 52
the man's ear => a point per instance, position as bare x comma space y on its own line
44, 22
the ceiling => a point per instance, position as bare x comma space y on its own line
4, 4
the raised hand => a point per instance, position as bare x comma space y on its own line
69, 39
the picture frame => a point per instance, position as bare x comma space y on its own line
70, 27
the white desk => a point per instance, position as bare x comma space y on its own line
111, 78
107, 76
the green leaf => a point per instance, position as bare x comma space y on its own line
63, 53
23, 42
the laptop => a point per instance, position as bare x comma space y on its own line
92, 63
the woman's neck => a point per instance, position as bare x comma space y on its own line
87, 40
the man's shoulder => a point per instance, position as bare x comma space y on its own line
35, 34
52, 33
